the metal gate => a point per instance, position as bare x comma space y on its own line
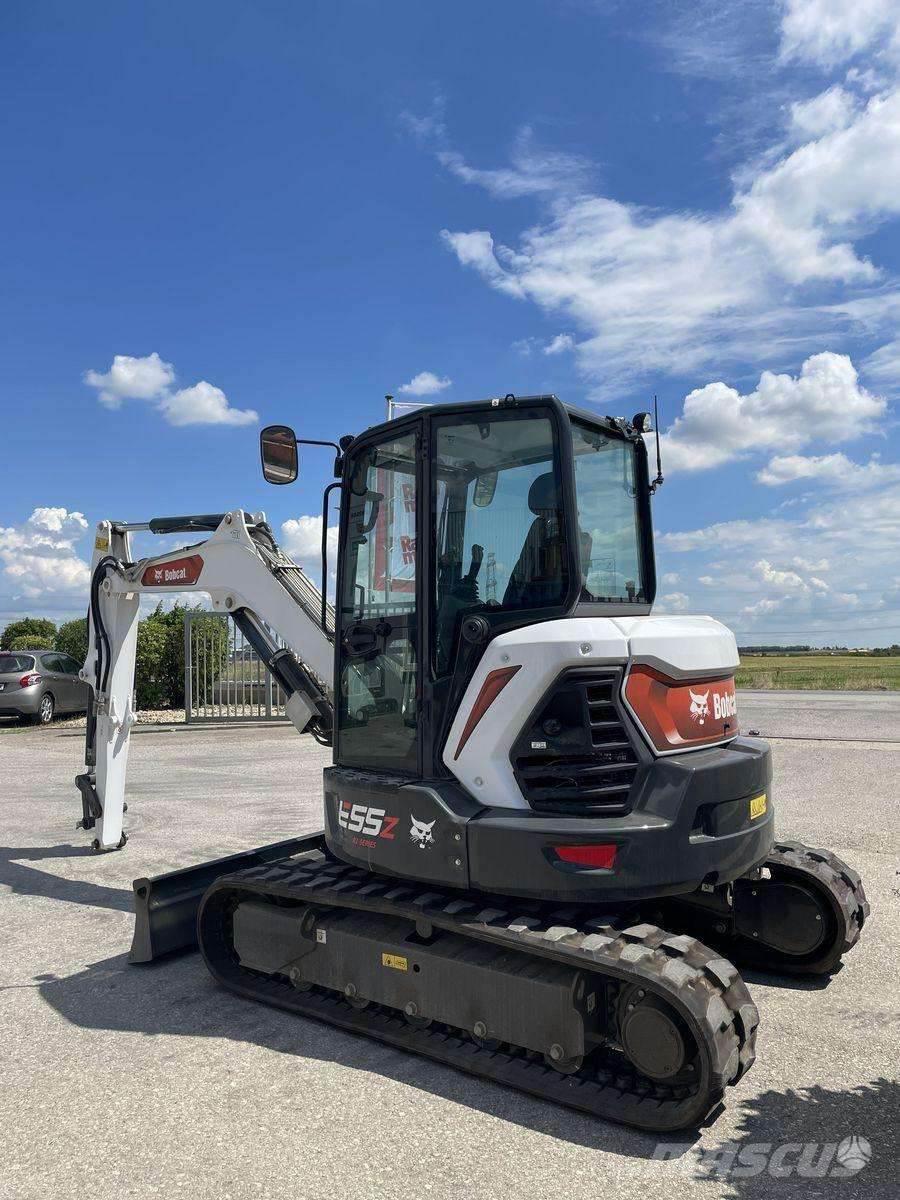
224, 678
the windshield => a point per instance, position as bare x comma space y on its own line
499, 535
608, 517
11, 664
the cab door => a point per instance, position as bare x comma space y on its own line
378, 635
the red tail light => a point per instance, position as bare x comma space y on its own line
600, 855
30, 679
493, 685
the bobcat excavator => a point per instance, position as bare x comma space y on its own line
540, 815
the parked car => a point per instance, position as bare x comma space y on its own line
37, 684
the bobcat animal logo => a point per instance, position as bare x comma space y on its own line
420, 833
699, 706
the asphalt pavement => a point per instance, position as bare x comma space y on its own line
139, 1081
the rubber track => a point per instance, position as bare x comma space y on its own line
705, 988
843, 889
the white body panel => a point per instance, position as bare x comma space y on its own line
679, 646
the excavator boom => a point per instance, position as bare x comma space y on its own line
246, 575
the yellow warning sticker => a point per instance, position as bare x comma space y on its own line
397, 961
757, 806
101, 543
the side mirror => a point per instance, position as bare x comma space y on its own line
485, 486
278, 450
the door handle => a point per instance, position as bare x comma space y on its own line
361, 641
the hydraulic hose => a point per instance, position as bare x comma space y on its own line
103, 659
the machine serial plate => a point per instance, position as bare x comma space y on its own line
757, 806
397, 961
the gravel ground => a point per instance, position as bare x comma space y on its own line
137, 1081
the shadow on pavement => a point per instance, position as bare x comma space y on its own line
21, 878
847, 1141
176, 997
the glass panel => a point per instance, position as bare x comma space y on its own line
377, 703
608, 517
499, 537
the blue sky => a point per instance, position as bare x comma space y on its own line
219, 215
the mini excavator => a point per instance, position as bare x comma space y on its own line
546, 844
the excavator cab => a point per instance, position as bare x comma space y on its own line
459, 522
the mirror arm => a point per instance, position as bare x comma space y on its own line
338, 453
328, 490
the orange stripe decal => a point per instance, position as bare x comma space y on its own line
493, 685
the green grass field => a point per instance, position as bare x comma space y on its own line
819, 672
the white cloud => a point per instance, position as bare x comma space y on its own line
828, 111
805, 210
561, 344
787, 580
426, 383
672, 602
825, 576
671, 578
204, 404
533, 171
132, 379
832, 470
301, 538
671, 292
150, 378
38, 558
883, 365
824, 401
827, 32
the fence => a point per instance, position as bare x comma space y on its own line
224, 678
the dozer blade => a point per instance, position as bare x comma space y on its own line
165, 906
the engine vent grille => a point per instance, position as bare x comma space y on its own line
576, 756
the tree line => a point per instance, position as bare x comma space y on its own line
159, 662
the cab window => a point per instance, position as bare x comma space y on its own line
499, 532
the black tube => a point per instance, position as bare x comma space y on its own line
288, 673
102, 664
325, 496
101, 674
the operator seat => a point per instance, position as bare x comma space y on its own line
539, 576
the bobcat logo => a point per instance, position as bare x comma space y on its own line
699, 706
420, 833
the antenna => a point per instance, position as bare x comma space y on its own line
659, 480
